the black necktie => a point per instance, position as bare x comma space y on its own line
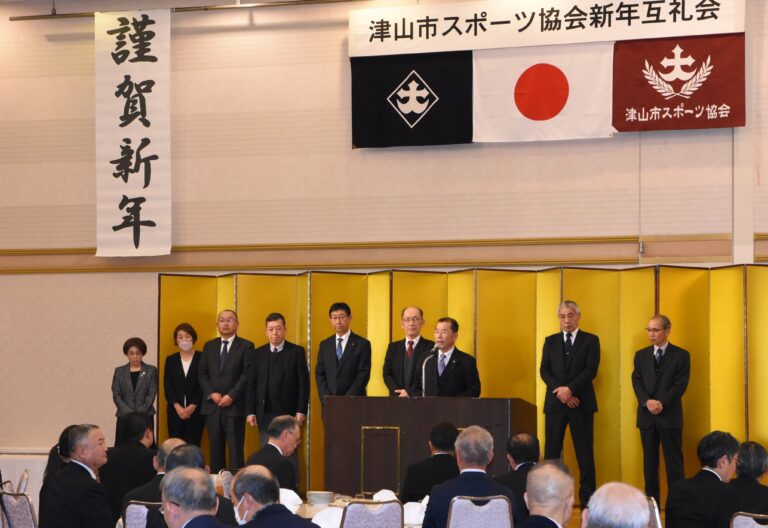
657, 355
223, 355
275, 351
568, 344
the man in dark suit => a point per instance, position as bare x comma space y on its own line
751, 466
616, 505
402, 363
224, 369
75, 498
706, 500
568, 365
150, 492
279, 382
450, 372
189, 499
131, 464
190, 456
549, 495
474, 452
284, 437
256, 494
344, 359
421, 476
660, 378
522, 454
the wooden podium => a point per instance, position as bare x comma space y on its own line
369, 442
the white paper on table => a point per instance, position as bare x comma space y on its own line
413, 512
384, 495
330, 517
290, 499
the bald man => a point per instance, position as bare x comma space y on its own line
616, 505
549, 495
256, 495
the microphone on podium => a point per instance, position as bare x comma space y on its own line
432, 354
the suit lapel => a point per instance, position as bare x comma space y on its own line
451, 366
649, 364
278, 371
143, 379
348, 351
399, 358
234, 347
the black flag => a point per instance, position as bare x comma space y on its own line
419, 99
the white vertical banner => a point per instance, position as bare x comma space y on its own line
133, 133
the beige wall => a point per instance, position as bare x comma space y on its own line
262, 147
262, 155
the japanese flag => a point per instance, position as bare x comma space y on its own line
543, 93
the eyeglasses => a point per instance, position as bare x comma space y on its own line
162, 506
654, 330
411, 319
338, 317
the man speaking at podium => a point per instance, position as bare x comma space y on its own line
447, 371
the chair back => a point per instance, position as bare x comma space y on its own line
135, 513
488, 512
748, 520
370, 514
654, 518
18, 510
23, 480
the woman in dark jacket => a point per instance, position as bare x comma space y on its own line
57, 457
134, 386
182, 388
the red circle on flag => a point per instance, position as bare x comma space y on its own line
541, 92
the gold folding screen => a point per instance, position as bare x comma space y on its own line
504, 317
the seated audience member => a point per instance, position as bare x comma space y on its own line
616, 505
751, 466
129, 465
57, 457
439, 467
474, 452
522, 454
190, 456
150, 492
75, 498
549, 495
705, 500
284, 437
256, 495
189, 499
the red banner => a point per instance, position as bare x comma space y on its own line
679, 83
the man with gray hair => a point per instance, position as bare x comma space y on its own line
751, 466
189, 499
549, 495
616, 505
256, 494
568, 365
75, 498
284, 437
190, 456
659, 379
474, 452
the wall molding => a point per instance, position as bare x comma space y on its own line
524, 252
